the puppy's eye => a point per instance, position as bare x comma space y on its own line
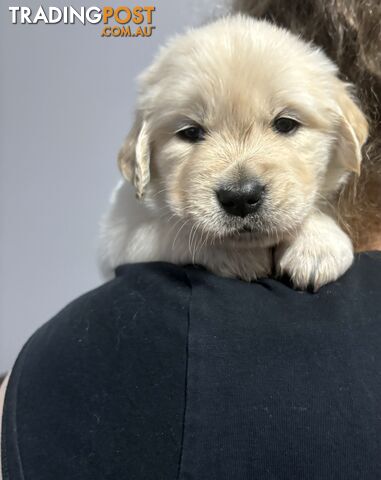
192, 134
285, 125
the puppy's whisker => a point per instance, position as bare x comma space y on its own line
159, 192
190, 239
195, 244
178, 233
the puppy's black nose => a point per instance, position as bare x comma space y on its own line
242, 198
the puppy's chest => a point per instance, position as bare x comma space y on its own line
247, 263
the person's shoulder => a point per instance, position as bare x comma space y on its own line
124, 330
139, 298
367, 268
369, 258
139, 286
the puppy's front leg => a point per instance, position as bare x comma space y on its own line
320, 253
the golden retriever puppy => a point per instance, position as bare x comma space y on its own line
243, 136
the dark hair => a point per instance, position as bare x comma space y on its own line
349, 31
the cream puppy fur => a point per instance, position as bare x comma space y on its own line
243, 137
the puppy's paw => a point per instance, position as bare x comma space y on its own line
312, 261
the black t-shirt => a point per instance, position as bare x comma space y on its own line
172, 373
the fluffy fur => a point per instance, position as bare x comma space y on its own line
234, 77
350, 33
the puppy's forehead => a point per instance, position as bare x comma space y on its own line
239, 65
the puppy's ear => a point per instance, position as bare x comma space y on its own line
353, 131
134, 156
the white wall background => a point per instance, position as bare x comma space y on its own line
66, 102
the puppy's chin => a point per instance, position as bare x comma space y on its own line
238, 232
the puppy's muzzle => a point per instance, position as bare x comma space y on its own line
241, 199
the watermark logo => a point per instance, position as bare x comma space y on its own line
122, 21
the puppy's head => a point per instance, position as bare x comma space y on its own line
242, 127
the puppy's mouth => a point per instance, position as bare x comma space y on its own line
244, 232
247, 233
250, 232
245, 229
